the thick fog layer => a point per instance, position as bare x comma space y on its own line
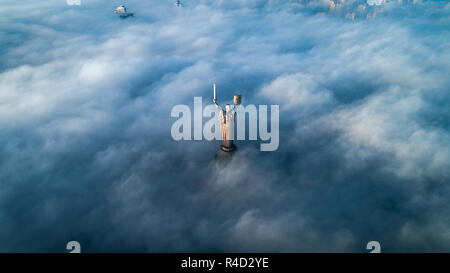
86, 152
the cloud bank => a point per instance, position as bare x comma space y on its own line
86, 154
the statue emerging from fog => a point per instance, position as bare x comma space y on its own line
227, 118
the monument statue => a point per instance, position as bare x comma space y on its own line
227, 118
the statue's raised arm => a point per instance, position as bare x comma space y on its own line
236, 101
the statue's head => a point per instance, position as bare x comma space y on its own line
227, 107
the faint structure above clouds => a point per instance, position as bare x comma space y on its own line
73, 2
375, 2
122, 11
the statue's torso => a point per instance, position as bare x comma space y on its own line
226, 117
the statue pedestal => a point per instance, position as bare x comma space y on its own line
224, 154
228, 145
228, 149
